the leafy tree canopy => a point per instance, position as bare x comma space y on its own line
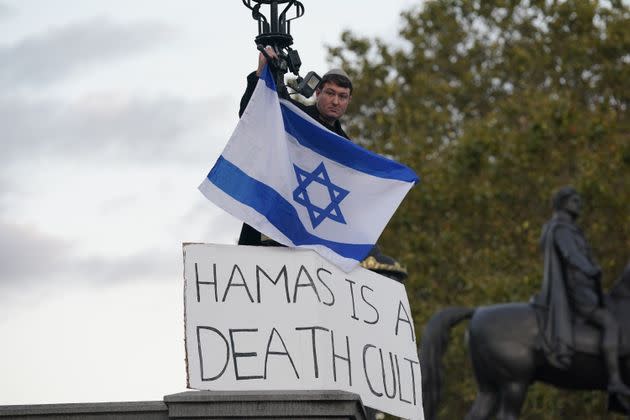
496, 104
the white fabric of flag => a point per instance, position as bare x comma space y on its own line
302, 185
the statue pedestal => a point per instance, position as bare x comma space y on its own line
265, 404
206, 405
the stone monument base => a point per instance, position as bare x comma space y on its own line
310, 405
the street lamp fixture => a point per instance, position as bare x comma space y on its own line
274, 29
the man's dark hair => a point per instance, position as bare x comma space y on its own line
338, 79
561, 196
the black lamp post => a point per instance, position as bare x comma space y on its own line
274, 29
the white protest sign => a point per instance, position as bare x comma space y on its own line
263, 318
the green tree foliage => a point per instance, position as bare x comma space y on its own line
495, 104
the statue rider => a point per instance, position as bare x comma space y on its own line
572, 289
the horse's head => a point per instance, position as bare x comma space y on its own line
621, 289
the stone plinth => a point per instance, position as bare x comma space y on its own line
270, 404
310, 405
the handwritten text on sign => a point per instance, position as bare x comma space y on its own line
260, 318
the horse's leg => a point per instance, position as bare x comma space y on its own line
512, 397
485, 404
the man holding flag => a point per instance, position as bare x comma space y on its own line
333, 97
290, 173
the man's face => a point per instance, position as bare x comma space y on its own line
332, 101
573, 205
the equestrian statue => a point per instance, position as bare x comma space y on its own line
570, 335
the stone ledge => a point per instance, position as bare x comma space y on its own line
265, 404
312, 405
142, 410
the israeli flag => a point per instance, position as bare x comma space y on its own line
302, 185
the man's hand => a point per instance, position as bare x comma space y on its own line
262, 60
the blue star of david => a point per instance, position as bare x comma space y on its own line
336, 194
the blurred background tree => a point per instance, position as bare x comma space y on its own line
496, 104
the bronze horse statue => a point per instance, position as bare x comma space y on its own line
506, 355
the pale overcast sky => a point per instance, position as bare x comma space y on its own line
111, 114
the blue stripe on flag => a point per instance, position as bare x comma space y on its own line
336, 148
267, 77
280, 213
